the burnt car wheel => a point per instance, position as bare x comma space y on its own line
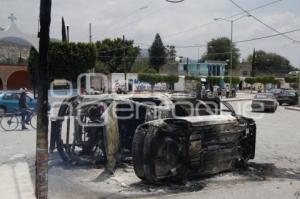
138, 152
161, 157
84, 145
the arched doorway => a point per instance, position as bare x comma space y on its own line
19, 79
1, 84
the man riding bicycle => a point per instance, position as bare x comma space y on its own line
25, 110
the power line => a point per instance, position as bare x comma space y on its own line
185, 46
228, 17
257, 38
135, 21
195, 27
133, 12
268, 36
256, 8
260, 21
204, 46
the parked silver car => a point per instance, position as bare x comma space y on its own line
264, 102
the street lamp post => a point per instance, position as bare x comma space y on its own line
231, 45
231, 56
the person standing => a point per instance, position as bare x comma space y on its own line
25, 110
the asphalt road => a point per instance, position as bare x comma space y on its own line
274, 173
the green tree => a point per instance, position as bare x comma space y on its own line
214, 81
170, 80
63, 30
157, 53
152, 79
219, 50
33, 63
192, 78
266, 80
101, 68
143, 69
270, 63
291, 79
235, 80
251, 81
66, 60
117, 55
142, 66
171, 53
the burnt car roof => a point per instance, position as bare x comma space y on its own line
160, 100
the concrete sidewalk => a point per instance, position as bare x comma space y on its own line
16, 181
293, 108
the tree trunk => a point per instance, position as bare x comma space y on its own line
42, 123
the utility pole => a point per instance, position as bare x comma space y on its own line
125, 65
42, 123
90, 33
187, 66
231, 45
253, 64
231, 57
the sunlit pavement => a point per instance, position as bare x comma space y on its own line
17, 150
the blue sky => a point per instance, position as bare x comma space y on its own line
113, 18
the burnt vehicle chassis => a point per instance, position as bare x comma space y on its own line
161, 147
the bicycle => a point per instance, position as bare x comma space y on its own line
10, 122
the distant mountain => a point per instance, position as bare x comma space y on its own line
15, 41
144, 53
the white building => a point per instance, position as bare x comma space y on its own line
131, 82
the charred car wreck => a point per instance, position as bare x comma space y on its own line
166, 138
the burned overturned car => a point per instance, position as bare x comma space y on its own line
164, 137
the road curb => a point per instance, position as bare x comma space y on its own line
293, 108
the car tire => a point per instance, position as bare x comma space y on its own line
150, 149
138, 152
155, 144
